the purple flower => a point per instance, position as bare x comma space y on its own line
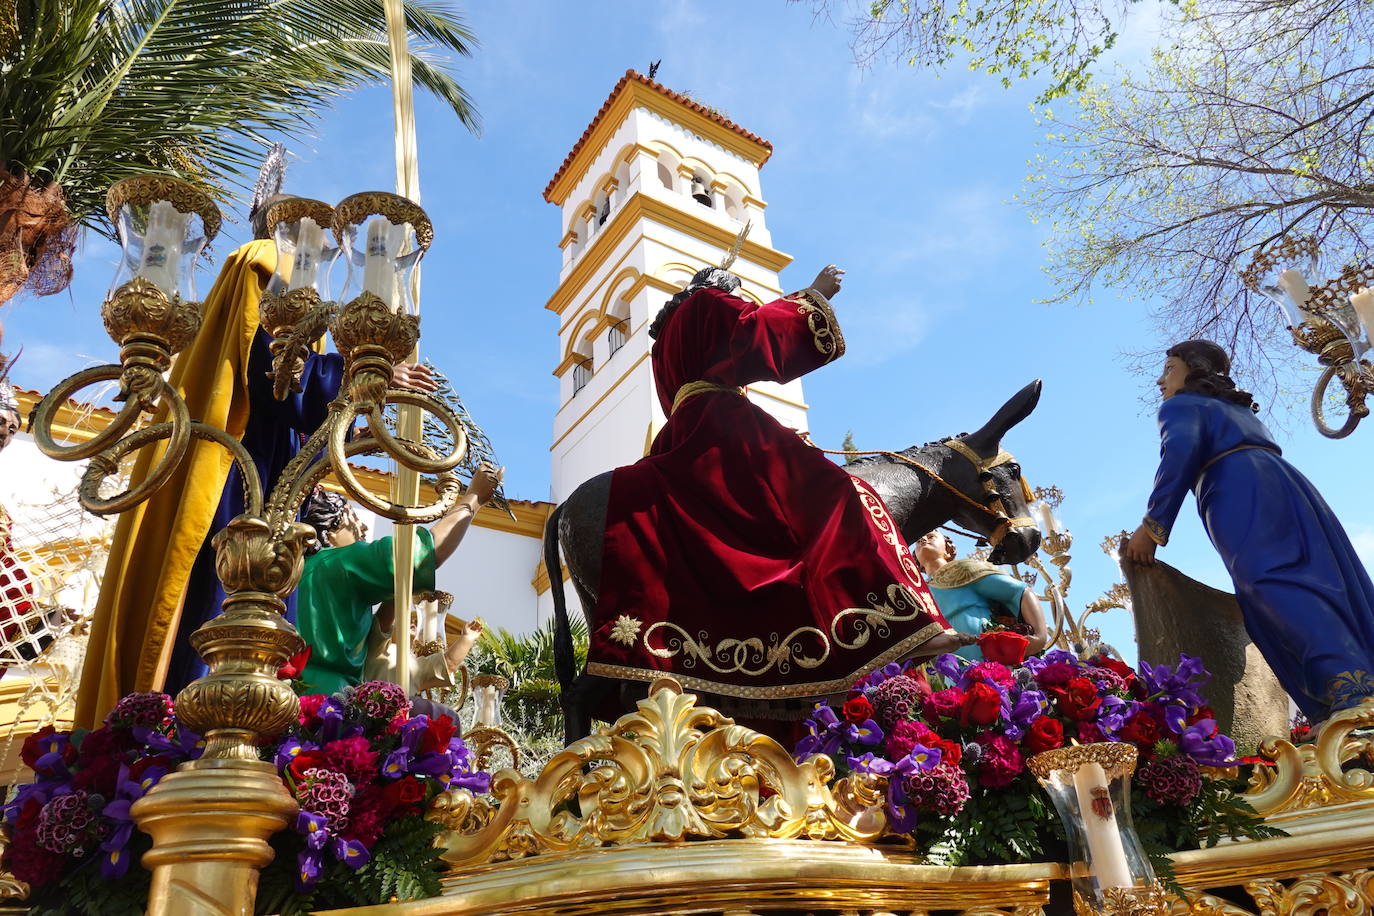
331, 720
921, 759
350, 852
1177, 684
476, 782
397, 763
314, 828
290, 747
868, 733
950, 666
1201, 740
115, 862
1113, 713
825, 732
183, 744
307, 870
901, 812
869, 764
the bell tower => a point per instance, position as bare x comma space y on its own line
657, 187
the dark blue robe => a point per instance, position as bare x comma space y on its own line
272, 437
1306, 598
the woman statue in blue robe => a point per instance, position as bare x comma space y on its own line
1306, 599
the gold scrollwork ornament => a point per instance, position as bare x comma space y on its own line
672, 770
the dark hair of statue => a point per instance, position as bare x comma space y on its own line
1209, 369
714, 277
325, 511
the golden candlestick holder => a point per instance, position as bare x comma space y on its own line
210, 821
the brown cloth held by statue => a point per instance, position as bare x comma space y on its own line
738, 558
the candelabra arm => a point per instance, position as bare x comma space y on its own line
46, 411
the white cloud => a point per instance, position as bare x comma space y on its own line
878, 331
963, 103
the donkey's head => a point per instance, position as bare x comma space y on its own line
992, 478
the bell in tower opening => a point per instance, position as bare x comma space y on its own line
699, 192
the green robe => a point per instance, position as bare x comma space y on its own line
334, 602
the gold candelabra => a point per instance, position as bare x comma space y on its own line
1334, 322
210, 821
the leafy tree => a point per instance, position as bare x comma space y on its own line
1252, 122
530, 708
1054, 40
97, 90
848, 446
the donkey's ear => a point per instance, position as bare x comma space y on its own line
1017, 408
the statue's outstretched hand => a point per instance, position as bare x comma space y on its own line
828, 281
484, 483
413, 377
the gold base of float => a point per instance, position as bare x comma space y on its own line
674, 771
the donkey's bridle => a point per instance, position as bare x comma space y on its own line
1005, 520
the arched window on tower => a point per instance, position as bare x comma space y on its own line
665, 175
603, 210
581, 374
616, 336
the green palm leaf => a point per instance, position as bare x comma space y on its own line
99, 90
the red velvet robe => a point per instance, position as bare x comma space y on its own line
738, 558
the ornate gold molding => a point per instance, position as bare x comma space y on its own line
671, 771
355, 208
1317, 775
146, 189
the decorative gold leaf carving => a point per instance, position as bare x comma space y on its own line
146, 189
1317, 774
670, 771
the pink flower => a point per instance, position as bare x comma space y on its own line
943, 789
906, 736
944, 704
990, 673
326, 793
1089, 733
1000, 762
1056, 674
353, 757
1171, 780
310, 709
897, 699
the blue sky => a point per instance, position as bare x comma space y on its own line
903, 177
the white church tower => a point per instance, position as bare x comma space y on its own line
657, 187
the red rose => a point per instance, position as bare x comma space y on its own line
295, 665
1141, 730
1078, 699
404, 795
306, 760
1204, 712
98, 775
951, 752
105, 742
1056, 674
1004, 646
436, 735
1044, 734
982, 705
858, 710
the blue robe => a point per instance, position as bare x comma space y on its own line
1306, 599
272, 437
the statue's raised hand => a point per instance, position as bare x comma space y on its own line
828, 281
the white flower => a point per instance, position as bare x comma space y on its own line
625, 630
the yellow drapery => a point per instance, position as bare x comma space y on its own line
156, 543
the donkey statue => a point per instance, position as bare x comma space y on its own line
968, 479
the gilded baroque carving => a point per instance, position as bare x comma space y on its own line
140, 311
1317, 774
673, 770
1117, 760
354, 209
294, 209
253, 555
146, 189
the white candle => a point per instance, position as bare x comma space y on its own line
1108, 856
309, 242
1291, 282
488, 713
429, 620
162, 246
1363, 303
379, 264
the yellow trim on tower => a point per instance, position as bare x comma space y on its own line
641, 206
541, 580
637, 95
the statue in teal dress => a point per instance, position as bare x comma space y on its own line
974, 594
1306, 599
347, 576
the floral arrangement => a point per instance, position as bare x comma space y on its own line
953, 741
363, 770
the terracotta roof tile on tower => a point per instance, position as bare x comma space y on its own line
692, 104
